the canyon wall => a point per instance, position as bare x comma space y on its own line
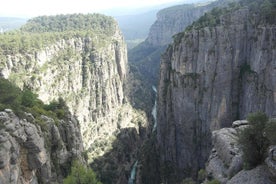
89, 72
37, 153
210, 76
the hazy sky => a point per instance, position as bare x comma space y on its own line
30, 8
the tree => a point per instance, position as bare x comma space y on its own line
81, 175
270, 130
252, 140
28, 98
9, 95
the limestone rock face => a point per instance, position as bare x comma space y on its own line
88, 72
32, 153
173, 20
211, 77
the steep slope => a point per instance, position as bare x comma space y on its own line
30, 153
145, 58
211, 76
81, 58
38, 142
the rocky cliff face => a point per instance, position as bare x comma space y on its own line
32, 153
173, 20
209, 77
88, 72
145, 57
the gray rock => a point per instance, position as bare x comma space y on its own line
258, 175
30, 117
225, 143
208, 78
271, 160
226, 160
3, 117
173, 20
23, 151
239, 123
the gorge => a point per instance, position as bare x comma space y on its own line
112, 112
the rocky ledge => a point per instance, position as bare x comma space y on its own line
225, 162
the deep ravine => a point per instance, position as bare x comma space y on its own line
132, 177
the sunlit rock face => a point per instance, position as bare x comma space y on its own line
89, 73
209, 78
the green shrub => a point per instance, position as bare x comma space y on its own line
213, 182
188, 181
270, 131
201, 175
10, 95
81, 175
28, 98
58, 107
252, 140
20, 101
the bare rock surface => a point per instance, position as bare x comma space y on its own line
27, 154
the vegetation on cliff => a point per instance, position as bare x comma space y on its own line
256, 138
81, 175
42, 31
71, 22
265, 9
20, 101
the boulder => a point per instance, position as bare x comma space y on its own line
258, 175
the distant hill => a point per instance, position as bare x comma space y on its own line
10, 23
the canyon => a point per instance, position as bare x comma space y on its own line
216, 65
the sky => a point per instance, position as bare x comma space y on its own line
31, 8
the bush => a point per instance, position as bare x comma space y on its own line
20, 101
270, 130
58, 107
213, 182
188, 181
28, 98
201, 175
252, 140
81, 175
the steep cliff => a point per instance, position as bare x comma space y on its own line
32, 153
173, 20
210, 76
145, 58
38, 142
86, 66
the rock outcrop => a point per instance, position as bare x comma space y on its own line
225, 159
209, 77
225, 163
33, 153
271, 160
